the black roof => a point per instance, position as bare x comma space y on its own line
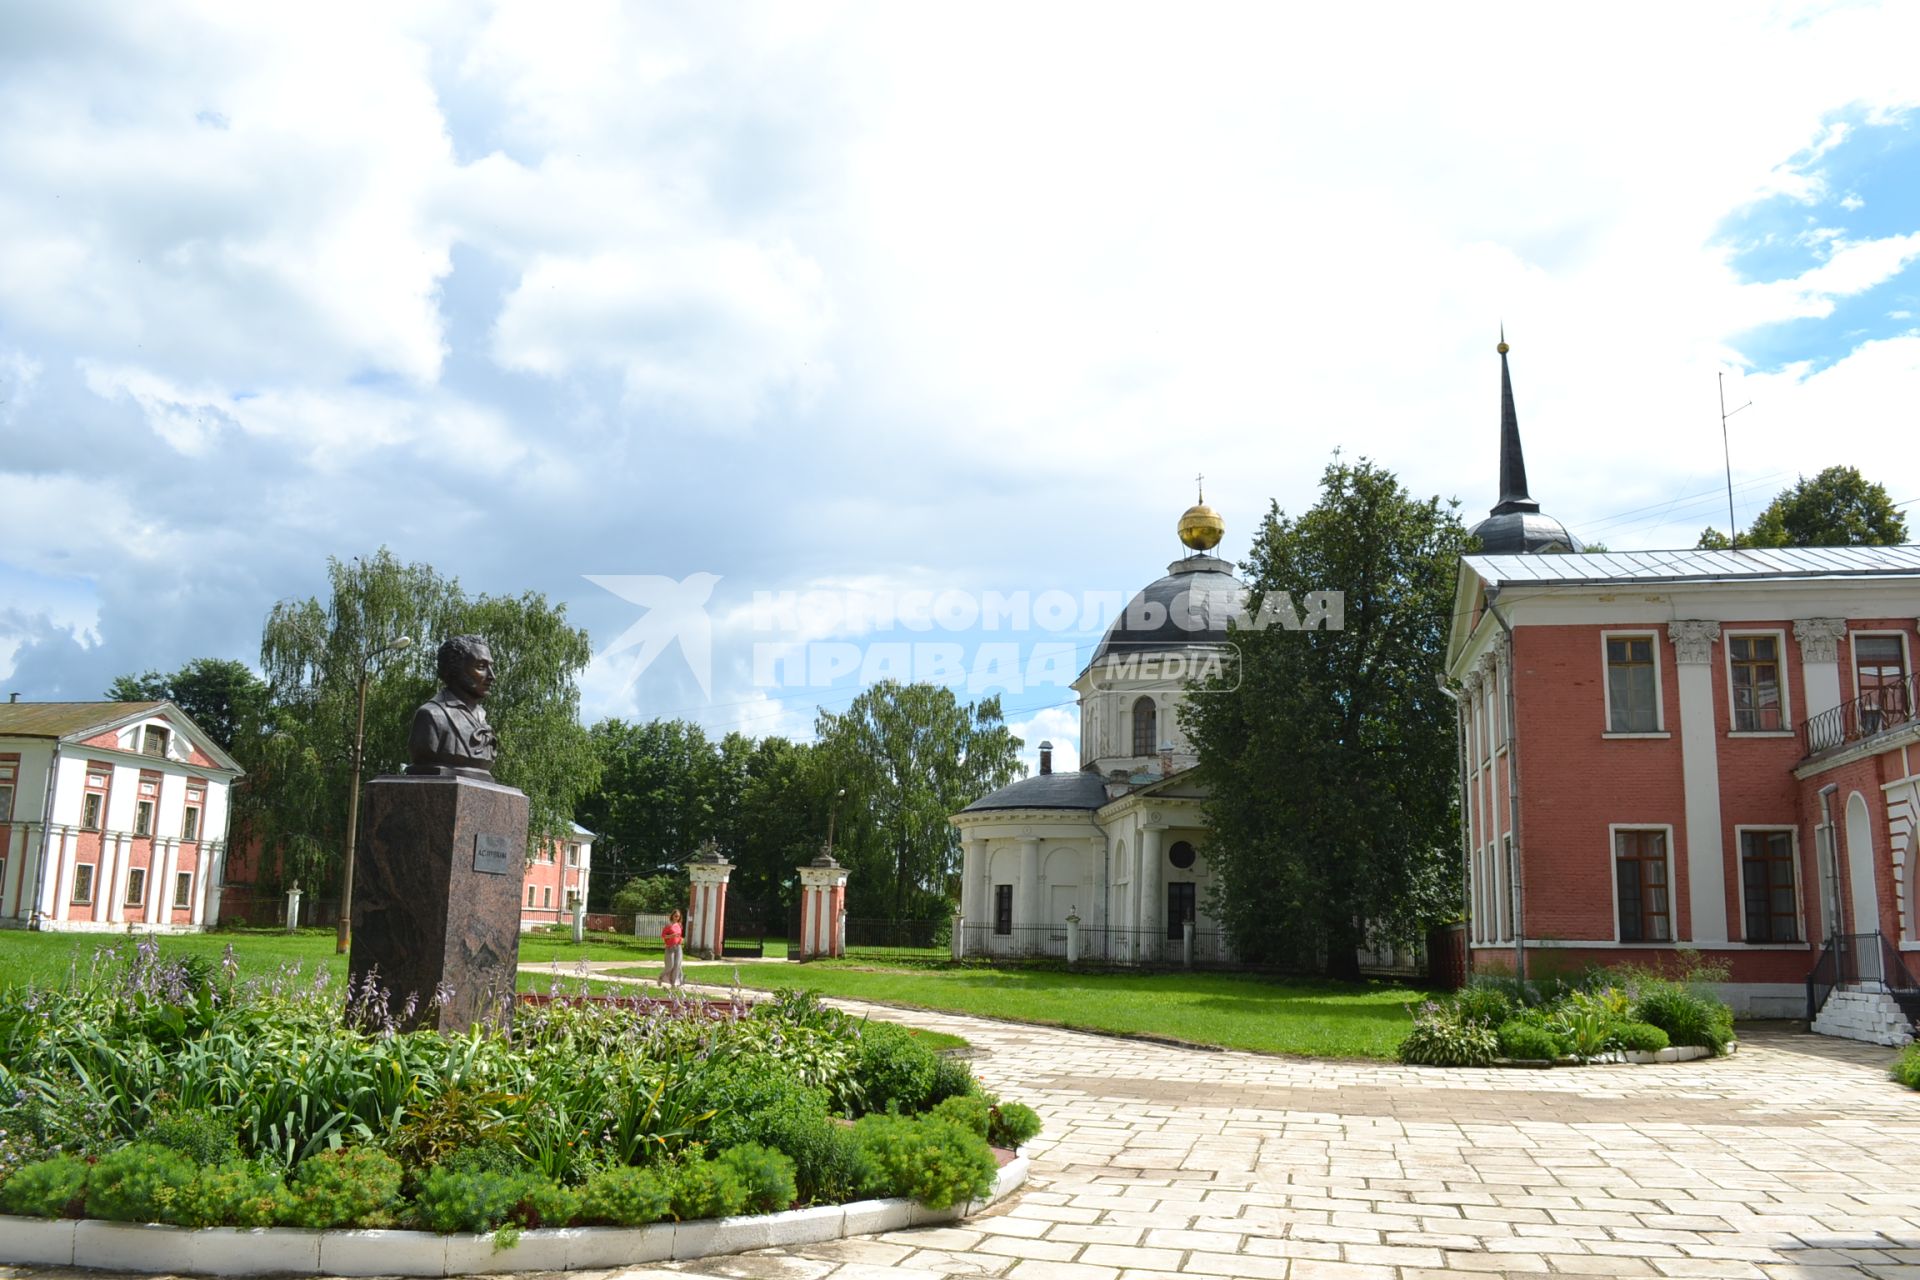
1191, 605
1077, 790
1515, 533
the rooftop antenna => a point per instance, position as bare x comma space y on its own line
1726, 452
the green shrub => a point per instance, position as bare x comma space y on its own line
51, 1188
1440, 1039
1686, 1016
1002, 1124
706, 1189
1583, 1027
1519, 1039
626, 1197
755, 1105
545, 1203
952, 1078
1906, 1070
894, 1070
1483, 1002
489, 1155
144, 1182
204, 1137
467, 1200
235, 1193
351, 1187
1640, 1037
765, 1175
930, 1158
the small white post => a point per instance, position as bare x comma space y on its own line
959, 940
1186, 944
1073, 939
579, 919
293, 908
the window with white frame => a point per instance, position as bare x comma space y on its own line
183, 890
1642, 883
1880, 681
136, 887
1633, 685
1755, 683
83, 885
1505, 909
143, 818
1767, 887
154, 742
190, 824
90, 808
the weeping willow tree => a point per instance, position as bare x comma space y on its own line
313, 653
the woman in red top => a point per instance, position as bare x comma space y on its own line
670, 934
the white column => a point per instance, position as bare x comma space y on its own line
1026, 910
197, 898
972, 850
823, 894
16, 853
156, 876
1693, 642
116, 903
210, 885
170, 859
1153, 906
1820, 662
706, 929
68, 843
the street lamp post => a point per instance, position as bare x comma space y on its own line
833, 811
343, 936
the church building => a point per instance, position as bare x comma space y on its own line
1114, 846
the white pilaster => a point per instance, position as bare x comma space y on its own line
16, 852
1820, 662
1693, 642
123, 859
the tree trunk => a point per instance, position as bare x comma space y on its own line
1343, 950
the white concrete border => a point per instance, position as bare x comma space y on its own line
232, 1251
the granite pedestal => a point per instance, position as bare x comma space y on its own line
436, 897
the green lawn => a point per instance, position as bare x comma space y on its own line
1234, 1011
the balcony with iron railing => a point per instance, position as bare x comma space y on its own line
1878, 710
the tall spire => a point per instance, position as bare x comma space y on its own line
1513, 465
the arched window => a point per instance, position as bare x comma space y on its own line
1143, 740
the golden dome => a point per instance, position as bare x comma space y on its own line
1201, 527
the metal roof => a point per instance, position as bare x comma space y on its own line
63, 719
1599, 567
1190, 606
1076, 790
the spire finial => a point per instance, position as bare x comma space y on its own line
1200, 487
1502, 348
1513, 464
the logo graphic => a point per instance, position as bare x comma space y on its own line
674, 611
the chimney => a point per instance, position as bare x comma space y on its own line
13, 697
1046, 758
1166, 759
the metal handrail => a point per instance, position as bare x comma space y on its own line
1878, 709
1823, 977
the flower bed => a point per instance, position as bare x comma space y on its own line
177, 1094
1608, 1015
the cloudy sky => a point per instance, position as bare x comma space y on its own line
669, 305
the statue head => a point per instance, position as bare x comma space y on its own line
466, 666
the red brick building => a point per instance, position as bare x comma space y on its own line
112, 814
1709, 750
557, 878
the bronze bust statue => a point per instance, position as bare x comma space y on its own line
451, 735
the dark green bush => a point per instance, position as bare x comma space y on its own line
204, 1137
351, 1187
51, 1188
1440, 1039
467, 1200
1014, 1125
706, 1189
626, 1197
1483, 1002
1527, 1040
489, 1155
765, 1175
545, 1203
973, 1113
1906, 1069
1640, 1037
895, 1071
235, 1193
1686, 1016
753, 1105
952, 1078
144, 1182
930, 1158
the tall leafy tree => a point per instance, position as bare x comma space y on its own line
1837, 508
777, 822
654, 801
222, 696
908, 755
314, 651
1330, 755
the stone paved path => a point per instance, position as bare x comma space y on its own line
1796, 1158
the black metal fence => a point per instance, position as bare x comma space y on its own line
1094, 945
1859, 959
1887, 706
